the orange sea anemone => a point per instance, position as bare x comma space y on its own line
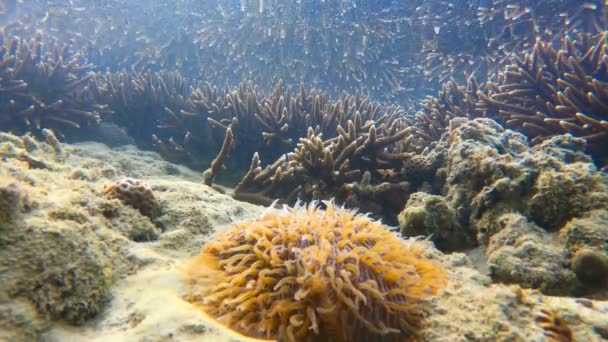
307, 274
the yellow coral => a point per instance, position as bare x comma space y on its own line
311, 274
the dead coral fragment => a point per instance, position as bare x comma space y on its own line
556, 329
135, 193
308, 274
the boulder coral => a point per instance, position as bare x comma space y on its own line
135, 193
311, 274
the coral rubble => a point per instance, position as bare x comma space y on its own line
309, 274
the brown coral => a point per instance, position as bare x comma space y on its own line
309, 274
135, 193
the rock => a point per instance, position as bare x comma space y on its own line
522, 253
429, 215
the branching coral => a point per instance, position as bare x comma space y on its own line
434, 117
141, 102
355, 133
466, 39
554, 90
541, 15
44, 86
337, 45
310, 275
320, 168
117, 35
473, 38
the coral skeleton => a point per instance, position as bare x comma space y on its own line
319, 275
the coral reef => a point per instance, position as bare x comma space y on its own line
554, 89
58, 258
306, 127
309, 274
135, 193
44, 87
67, 246
509, 197
336, 45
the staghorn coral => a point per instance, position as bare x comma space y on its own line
281, 116
216, 164
540, 15
117, 35
354, 132
467, 40
44, 85
140, 101
321, 168
134, 193
474, 38
554, 89
309, 274
433, 119
336, 45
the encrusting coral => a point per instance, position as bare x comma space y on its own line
312, 274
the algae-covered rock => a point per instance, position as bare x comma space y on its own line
64, 268
590, 230
586, 239
11, 204
478, 154
493, 175
429, 215
566, 193
522, 253
58, 259
130, 222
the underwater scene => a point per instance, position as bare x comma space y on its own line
303, 170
